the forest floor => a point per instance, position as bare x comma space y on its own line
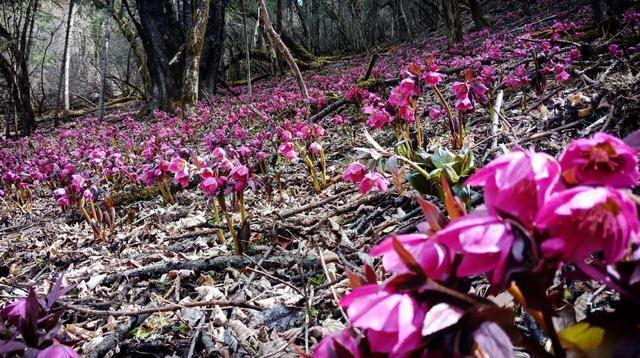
162, 285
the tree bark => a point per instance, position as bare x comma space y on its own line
195, 42
247, 47
450, 12
213, 47
276, 42
63, 81
104, 61
476, 13
136, 47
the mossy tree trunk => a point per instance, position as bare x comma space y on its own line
195, 42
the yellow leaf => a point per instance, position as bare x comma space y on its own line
581, 336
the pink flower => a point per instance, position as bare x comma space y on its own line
288, 150
337, 344
484, 242
77, 183
393, 320
464, 104
240, 173
431, 255
209, 185
433, 78
561, 74
354, 173
315, 148
87, 195
373, 180
584, 220
15, 311
436, 112
615, 51
407, 113
463, 101
58, 351
401, 94
517, 183
601, 160
180, 168
378, 118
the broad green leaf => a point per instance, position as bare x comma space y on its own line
581, 336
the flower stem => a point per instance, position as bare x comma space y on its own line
216, 217
229, 220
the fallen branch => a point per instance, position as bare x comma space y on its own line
218, 263
276, 42
112, 340
167, 308
495, 119
319, 203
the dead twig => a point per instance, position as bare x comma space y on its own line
167, 308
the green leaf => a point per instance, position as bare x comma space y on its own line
581, 336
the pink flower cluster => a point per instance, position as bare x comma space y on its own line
357, 174
538, 211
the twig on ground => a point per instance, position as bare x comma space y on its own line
167, 308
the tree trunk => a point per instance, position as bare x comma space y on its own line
476, 13
104, 61
195, 42
213, 47
136, 47
276, 42
247, 47
315, 15
63, 81
161, 44
450, 12
279, 16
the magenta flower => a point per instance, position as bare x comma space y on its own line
373, 180
287, 150
180, 168
584, 220
615, 51
58, 351
436, 112
431, 255
315, 148
601, 160
433, 78
393, 320
517, 183
337, 344
561, 74
209, 185
401, 94
77, 183
484, 242
354, 172
15, 312
378, 117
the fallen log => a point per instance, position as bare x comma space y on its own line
217, 263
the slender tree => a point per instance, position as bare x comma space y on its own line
195, 42
63, 81
104, 61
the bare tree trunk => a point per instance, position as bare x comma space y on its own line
247, 47
278, 16
450, 11
276, 42
315, 15
195, 42
476, 13
133, 39
64, 72
104, 61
